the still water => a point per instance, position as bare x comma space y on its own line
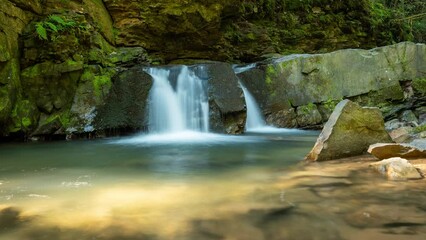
197, 187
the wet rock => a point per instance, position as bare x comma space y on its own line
397, 169
389, 150
48, 124
283, 118
93, 89
308, 115
125, 105
227, 104
349, 132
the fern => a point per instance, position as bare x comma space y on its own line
70, 23
57, 19
52, 26
41, 31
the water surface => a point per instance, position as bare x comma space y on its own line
196, 186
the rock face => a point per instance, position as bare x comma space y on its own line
349, 132
369, 77
242, 30
389, 150
397, 169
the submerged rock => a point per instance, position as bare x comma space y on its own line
397, 169
350, 130
389, 150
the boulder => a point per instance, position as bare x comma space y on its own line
389, 150
283, 118
349, 131
125, 104
397, 169
226, 98
401, 135
308, 115
410, 117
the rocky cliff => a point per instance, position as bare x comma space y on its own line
72, 68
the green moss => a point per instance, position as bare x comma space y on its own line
270, 73
308, 108
24, 116
32, 72
102, 82
251, 36
419, 129
65, 119
419, 85
330, 104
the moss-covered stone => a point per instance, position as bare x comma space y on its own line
51, 86
125, 104
24, 116
419, 85
349, 132
101, 18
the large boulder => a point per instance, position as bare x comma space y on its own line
226, 98
350, 130
369, 77
397, 169
389, 150
126, 102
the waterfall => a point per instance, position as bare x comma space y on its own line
181, 108
255, 118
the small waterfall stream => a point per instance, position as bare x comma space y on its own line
255, 118
255, 121
181, 108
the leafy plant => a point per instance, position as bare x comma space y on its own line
41, 31
54, 24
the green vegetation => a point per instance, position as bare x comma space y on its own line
419, 85
55, 24
307, 109
419, 129
406, 19
330, 104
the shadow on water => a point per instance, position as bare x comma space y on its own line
204, 187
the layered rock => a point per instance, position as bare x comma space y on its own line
244, 30
389, 150
12, 22
349, 132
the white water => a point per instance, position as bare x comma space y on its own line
182, 109
255, 119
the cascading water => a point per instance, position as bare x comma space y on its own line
254, 119
180, 109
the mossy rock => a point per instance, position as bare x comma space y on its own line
100, 16
51, 86
24, 116
125, 104
419, 85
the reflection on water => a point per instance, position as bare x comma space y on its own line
247, 187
